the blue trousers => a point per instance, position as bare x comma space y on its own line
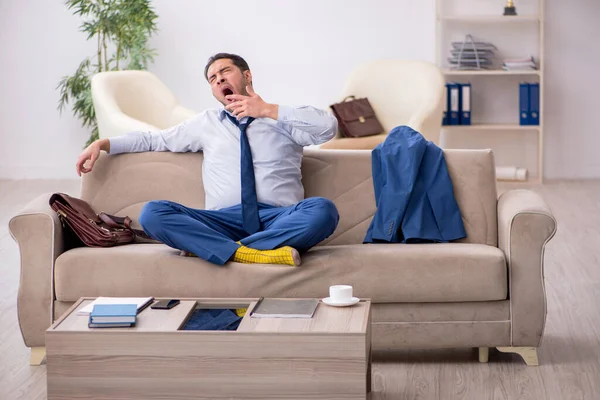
212, 234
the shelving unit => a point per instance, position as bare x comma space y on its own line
484, 19
531, 13
449, 72
493, 127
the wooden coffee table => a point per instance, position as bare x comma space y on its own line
325, 357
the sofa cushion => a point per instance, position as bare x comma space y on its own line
386, 273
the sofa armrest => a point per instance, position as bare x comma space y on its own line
525, 225
39, 234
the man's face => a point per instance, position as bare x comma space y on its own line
226, 78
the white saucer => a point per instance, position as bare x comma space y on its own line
330, 302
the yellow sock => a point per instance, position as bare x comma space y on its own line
240, 312
285, 255
184, 253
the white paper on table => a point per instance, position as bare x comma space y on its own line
139, 301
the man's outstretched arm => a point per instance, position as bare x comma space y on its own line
179, 138
307, 125
91, 154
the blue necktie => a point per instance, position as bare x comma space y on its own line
249, 201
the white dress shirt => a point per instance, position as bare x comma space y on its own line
276, 151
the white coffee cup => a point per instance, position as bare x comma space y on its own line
340, 293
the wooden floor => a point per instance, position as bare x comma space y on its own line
569, 356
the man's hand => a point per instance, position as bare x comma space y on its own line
91, 153
251, 106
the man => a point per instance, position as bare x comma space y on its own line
255, 207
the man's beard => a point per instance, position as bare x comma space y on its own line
243, 91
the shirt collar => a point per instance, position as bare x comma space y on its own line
223, 113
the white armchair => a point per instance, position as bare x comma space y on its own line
401, 93
127, 101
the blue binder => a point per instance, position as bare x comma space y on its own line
534, 104
524, 104
446, 106
465, 104
454, 106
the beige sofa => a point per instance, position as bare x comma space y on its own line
484, 291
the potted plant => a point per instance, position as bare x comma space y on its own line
121, 29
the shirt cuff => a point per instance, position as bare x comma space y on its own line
285, 113
119, 144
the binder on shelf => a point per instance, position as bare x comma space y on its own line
524, 104
446, 106
534, 104
454, 106
465, 104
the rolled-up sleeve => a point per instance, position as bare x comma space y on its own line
185, 137
307, 125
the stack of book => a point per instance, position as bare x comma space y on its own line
140, 302
113, 316
114, 312
519, 64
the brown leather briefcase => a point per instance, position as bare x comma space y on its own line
93, 230
356, 117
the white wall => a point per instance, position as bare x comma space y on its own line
291, 64
299, 50
39, 44
572, 98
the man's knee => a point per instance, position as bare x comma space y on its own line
151, 214
326, 215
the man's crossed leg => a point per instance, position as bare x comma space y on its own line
218, 235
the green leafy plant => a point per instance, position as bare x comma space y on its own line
121, 29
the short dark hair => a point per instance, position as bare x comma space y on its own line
237, 61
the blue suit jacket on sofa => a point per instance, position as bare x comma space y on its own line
413, 192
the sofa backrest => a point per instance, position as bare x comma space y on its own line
121, 184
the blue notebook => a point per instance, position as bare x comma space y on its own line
113, 313
110, 325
